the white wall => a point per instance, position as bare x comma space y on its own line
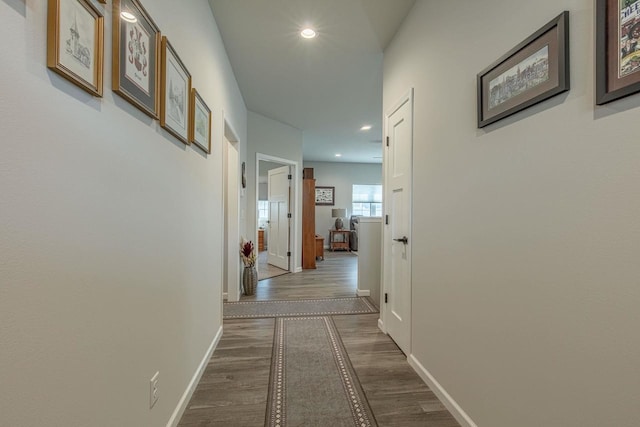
273, 138
110, 255
342, 176
526, 281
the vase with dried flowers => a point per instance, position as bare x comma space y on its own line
250, 274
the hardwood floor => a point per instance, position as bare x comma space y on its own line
233, 388
266, 270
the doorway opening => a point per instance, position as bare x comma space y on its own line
231, 190
276, 216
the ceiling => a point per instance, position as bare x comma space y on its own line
328, 87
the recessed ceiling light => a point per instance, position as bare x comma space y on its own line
128, 16
338, 155
366, 127
308, 33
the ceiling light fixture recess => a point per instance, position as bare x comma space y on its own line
338, 155
128, 16
366, 127
308, 33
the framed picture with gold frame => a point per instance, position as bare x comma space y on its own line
75, 43
136, 54
175, 90
200, 124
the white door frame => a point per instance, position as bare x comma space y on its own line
294, 203
231, 244
386, 246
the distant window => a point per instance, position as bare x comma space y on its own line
366, 200
263, 210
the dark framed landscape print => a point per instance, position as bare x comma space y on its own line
617, 49
534, 70
75, 40
136, 54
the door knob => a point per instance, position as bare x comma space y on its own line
404, 240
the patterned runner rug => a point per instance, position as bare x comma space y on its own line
309, 307
312, 381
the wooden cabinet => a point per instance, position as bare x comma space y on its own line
260, 240
319, 247
308, 220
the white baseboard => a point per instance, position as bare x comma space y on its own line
363, 292
186, 396
381, 326
459, 414
298, 270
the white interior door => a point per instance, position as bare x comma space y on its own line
278, 230
397, 234
231, 223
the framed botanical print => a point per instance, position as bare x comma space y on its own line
75, 43
325, 196
136, 54
617, 49
175, 89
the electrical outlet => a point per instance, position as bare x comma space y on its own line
153, 389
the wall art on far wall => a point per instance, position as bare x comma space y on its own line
75, 40
136, 53
534, 70
175, 94
200, 124
617, 49
325, 196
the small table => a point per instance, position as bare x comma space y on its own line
343, 243
319, 247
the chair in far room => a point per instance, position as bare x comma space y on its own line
353, 237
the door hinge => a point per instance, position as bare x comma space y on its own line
289, 215
290, 176
386, 298
288, 253
387, 141
386, 219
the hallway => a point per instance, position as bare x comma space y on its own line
233, 388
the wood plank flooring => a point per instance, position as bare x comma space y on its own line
233, 388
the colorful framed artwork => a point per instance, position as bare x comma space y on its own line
136, 53
175, 94
325, 196
617, 49
533, 71
200, 126
75, 43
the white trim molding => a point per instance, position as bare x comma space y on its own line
459, 414
186, 396
381, 324
363, 292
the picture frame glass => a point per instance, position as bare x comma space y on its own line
78, 40
325, 196
136, 56
201, 124
177, 91
623, 51
530, 73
